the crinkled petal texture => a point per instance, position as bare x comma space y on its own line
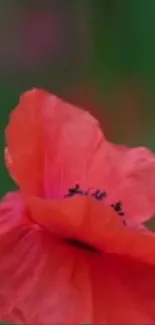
45, 280
53, 145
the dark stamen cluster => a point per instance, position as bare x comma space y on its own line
118, 208
98, 195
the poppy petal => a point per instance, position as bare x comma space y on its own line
11, 210
93, 223
124, 290
24, 143
46, 281
137, 188
50, 143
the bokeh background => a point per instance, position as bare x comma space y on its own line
99, 54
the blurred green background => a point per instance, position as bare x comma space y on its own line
99, 54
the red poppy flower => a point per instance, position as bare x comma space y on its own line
72, 249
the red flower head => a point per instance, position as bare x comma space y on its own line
71, 245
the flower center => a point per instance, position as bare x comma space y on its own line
98, 195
